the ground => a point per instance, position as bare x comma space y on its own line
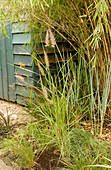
49, 157
16, 112
17, 116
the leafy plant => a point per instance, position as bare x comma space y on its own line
19, 150
100, 99
84, 24
57, 106
6, 120
86, 151
77, 89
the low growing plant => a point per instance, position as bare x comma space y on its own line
19, 150
5, 121
87, 152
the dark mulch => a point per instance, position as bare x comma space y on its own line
48, 160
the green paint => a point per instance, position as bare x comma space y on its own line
17, 28
21, 38
27, 71
4, 77
21, 49
1, 87
10, 66
24, 59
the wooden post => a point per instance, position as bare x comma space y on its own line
10, 64
3, 70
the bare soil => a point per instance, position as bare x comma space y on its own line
16, 112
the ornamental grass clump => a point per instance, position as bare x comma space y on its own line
19, 150
76, 90
59, 105
56, 106
85, 25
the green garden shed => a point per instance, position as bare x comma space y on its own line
14, 52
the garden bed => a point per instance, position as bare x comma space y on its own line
49, 158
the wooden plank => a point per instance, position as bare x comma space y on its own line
27, 71
28, 80
53, 59
1, 87
22, 49
58, 38
21, 38
39, 50
24, 59
24, 91
20, 28
10, 66
22, 55
22, 100
4, 69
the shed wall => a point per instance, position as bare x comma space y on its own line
15, 60
14, 53
22, 60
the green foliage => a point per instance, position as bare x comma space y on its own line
76, 90
5, 120
86, 150
59, 104
73, 20
81, 149
20, 150
84, 24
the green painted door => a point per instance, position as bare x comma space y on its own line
3, 70
10, 64
1, 77
12, 52
7, 82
